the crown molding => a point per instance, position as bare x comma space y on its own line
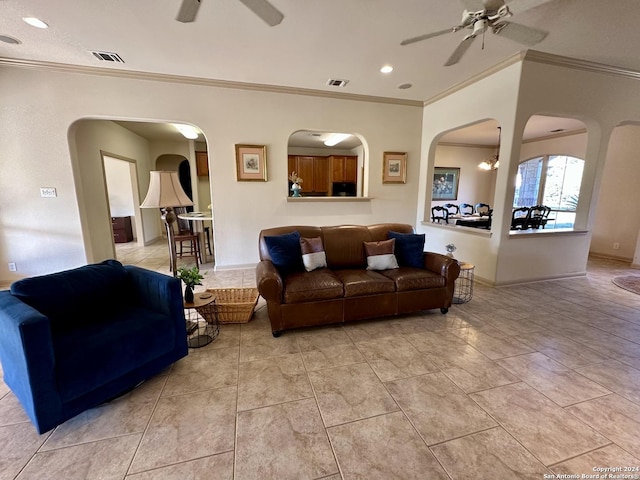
186, 80
568, 62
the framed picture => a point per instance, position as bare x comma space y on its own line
445, 183
251, 163
394, 167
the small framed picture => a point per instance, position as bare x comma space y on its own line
445, 183
251, 163
394, 167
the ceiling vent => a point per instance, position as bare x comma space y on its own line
108, 57
557, 130
337, 83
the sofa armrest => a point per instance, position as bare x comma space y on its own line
269, 281
443, 265
31, 376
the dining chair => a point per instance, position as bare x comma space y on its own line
538, 216
186, 234
519, 218
466, 209
452, 208
482, 209
439, 215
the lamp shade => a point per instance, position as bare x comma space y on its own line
165, 191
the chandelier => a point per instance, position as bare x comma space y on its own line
494, 162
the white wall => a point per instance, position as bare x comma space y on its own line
50, 101
617, 218
476, 186
119, 187
540, 85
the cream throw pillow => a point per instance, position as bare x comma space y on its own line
313, 255
380, 255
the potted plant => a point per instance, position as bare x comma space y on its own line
296, 181
191, 277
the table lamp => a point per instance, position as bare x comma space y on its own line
166, 192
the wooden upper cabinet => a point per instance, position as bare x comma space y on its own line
202, 164
344, 168
314, 172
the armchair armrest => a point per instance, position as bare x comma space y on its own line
31, 376
269, 281
441, 264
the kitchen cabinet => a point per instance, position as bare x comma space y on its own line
202, 164
344, 168
314, 172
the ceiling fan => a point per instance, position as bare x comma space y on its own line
262, 8
482, 15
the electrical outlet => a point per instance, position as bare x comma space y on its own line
12, 267
616, 246
48, 192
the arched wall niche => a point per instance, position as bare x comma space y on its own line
330, 170
459, 151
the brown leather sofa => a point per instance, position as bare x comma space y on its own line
346, 290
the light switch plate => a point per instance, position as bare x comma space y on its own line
48, 192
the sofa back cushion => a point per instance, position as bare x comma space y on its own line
344, 246
85, 292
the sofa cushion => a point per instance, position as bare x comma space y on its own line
313, 255
380, 255
96, 353
409, 278
97, 289
321, 284
285, 251
409, 249
364, 282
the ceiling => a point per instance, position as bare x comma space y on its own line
316, 41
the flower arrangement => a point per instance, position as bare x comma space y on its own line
294, 178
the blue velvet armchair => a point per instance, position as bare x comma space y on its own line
72, 340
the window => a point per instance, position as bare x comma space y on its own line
554, 181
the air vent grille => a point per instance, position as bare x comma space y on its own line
108, 57
332, 82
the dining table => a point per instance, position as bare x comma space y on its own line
474, 220
197, 220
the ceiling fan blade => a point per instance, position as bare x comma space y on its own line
425, 36
267, 12
459, 51
519, 33
517, 6
188, 11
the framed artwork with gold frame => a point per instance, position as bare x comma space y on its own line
394, 167
251, 163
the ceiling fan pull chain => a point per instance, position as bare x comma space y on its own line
484, 31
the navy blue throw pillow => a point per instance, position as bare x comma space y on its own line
285, 251
409, 248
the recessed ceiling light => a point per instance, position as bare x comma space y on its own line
35, 22
8, 39
404, 86
387, 69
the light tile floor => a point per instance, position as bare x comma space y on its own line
520, 382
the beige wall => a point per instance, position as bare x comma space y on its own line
44, 235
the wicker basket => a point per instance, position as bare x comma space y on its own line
235, 305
